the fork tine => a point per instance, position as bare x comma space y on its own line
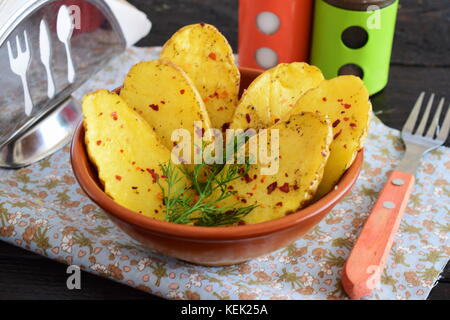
11, 57
19, 47
25, 35
425, 116
445, 128
432, 130
410, 123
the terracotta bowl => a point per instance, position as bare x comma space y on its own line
212, 246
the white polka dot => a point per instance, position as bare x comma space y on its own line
266, 58
268, 22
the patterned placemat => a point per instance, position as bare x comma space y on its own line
42, 209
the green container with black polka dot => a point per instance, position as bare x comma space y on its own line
354, 37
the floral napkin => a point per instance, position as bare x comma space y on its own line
43, 209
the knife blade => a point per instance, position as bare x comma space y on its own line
46, 56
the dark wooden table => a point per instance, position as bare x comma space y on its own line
421, 61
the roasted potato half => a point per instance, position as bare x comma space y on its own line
304, 141
166, 98
204, 53
273, 94
126, 152
345, 100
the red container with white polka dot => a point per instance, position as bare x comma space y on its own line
274, 31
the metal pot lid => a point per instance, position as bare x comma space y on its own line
47, 50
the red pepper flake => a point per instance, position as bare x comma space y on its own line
118, 178
286, 175
276, 120
133, 163
214, 95
162, 102
202, 24
225, 126
345, 146
224, 94
212, 56
353, 125
182, 91
153, 174
337, 134
99, 142
247, 117
114, 115
279, 204
340, 100
324, 99
346, 118
243, 200
100, 114
247, 178
347, 106
271, 187
230, 188
335, 124
241, 223
296, 187
134, 188
154, 107
285, 187
121, 150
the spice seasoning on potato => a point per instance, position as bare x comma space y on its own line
129, 155
273, 94
304, 141
349, 109
206, 56
165, 97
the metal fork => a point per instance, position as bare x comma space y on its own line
418, 143
19, 65
366, 262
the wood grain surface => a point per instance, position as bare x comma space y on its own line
420, 61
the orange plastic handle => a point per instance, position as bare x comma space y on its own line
366, 262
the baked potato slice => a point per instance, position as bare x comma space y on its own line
126, 152
206, 56
345, 100
166, 98
304, 141
273, 94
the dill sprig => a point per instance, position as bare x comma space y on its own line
198, 203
